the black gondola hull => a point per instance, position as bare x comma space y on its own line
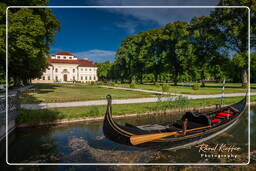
122, 134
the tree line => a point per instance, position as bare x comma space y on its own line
207, 47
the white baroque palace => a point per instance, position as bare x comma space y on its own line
65, 67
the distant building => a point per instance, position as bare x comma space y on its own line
65, 67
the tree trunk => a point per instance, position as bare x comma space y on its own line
141, 79
155, 77
202, 79
175, 79
244, 78
203, 83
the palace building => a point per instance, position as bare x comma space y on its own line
65, 67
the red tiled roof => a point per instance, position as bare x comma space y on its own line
80, 62
64, 53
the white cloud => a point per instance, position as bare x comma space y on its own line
97, 55
160, 16
129, 26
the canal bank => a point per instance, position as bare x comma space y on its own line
129, 115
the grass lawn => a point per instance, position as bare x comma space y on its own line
49, 93
210, 89
35, 116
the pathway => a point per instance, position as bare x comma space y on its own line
120, 101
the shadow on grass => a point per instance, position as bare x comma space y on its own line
27, 97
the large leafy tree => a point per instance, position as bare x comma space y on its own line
178, 49
233, 22
30, 32
208, 42
103, 70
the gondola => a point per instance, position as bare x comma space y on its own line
191, 129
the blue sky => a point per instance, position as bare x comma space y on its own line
97, 33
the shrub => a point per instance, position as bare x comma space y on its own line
99, 83
245, 85
165, 87
132, 85
157, 85
196, 86
92, 83
94, 111
111, 83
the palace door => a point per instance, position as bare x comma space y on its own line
65, 77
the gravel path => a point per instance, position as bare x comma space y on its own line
122, 101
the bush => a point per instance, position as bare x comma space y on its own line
99, 83
111, 83
196, 86
157, 85
132, 85
245, 85
165, 87
94, 111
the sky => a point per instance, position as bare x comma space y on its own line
96, 33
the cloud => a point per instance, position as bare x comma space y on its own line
97, 55
129, 26
160, 16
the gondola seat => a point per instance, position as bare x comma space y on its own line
220, 116
224, 114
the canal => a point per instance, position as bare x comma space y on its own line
85, 143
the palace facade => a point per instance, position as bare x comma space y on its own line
65, 67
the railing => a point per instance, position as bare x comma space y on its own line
13, 111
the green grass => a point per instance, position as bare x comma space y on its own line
211, 89
50, 93
35, 116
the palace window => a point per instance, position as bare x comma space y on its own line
94, 78
43, 78
65, 70
64, 57
89, 69
81, 77
58, 57
74, 70
81, 69
56, 69
90, 78
74, 78
70, 57
56, 78
85, 69
49, 77
85, 77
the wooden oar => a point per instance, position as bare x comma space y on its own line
139, 139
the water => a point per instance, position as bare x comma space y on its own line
85, 143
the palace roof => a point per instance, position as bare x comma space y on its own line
64, 53
80, 62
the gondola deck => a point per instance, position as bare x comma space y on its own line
197, 128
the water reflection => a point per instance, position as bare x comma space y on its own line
84, 142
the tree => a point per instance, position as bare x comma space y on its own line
103, 70
30, 33
233, 22
178, 49
207, 41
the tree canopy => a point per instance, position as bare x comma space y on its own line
207, 47
30, 32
